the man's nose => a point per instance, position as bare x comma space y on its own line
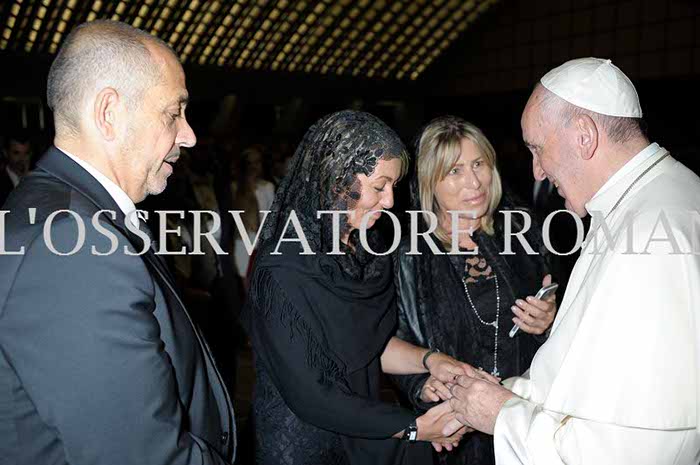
185, 135
537, 170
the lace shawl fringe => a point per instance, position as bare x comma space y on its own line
270, 301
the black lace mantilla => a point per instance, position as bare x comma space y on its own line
323, 176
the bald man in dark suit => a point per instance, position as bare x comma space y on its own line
100, 362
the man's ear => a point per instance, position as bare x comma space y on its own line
586, 137
105, 113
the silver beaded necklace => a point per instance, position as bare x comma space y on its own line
493, 323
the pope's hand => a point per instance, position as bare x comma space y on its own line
476, 404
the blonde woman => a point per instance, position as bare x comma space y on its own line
466, 304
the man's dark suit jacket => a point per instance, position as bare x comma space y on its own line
99, 360
6, 185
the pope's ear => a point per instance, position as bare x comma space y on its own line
105, 112
586, 136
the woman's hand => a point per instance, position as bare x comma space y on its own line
431, 424
435, 390
446, 369
535, 316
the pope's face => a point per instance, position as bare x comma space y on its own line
553, 155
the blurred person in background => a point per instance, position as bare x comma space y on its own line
207, 280
281, 155
17, 155
251, 195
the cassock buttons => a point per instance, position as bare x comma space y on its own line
224, 438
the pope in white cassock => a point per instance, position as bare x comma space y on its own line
617, 381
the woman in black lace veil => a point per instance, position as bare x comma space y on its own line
321, 314
461, 304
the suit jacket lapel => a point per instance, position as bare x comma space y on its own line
151, 256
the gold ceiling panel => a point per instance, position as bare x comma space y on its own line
378, 39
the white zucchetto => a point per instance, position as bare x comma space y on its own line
596, 85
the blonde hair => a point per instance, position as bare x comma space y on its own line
439, 149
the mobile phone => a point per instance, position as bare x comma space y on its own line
543, 293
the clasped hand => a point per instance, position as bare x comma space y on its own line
444, 371
432, 424
476, 404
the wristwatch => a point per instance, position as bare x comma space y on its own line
410, 434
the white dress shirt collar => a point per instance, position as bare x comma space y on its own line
13, 176
126, 205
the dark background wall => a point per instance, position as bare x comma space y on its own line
485, 76
649, 39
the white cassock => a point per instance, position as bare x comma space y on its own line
617, 381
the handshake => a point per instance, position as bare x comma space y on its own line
468, 399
